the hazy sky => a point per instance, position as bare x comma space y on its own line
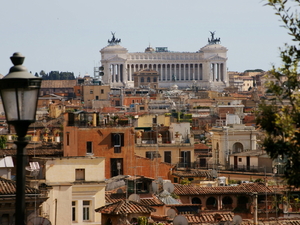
66, 35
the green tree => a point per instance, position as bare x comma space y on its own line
3, 140
279, 116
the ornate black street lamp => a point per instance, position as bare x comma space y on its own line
19, 93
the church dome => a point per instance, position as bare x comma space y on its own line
149, 49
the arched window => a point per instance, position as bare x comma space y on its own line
142, 80
133, 221
211, 203
227, 202
154, 79
148, 79
237, 147
242, 202
196, 200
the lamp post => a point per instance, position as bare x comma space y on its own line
19, 93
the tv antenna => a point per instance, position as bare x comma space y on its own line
180, 220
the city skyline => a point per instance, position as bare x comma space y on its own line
67, 35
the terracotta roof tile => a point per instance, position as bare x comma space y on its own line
37, 152
8, 187
146, 199
192, 173
124, 207
200, 146
240, 189
208, 217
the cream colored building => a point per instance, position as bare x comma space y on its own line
247, 83
149, 120
76, 189
205, 68
233, 138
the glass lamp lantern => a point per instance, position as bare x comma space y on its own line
19, 91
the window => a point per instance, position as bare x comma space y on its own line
80, 174
89, 147
154, 79
78, 91
240, 159
152, 155
154, 120
142, 79
91, 91
167, 156
117, 142
68, 138
97, 97
148, 79
85, 210
73, 211
102, 91
185, 158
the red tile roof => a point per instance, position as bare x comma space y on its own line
8, 187
32, 152
146, 199
125, 206
209, 217
192, 173
240, 189
200, 146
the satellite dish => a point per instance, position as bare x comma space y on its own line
168, 187
39, 221
160, 180
180, 220
237, 220
154, 187
171, 213
120, 191
34, 168
134, 197
214, 173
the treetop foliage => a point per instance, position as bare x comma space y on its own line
56, 75
279, 116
